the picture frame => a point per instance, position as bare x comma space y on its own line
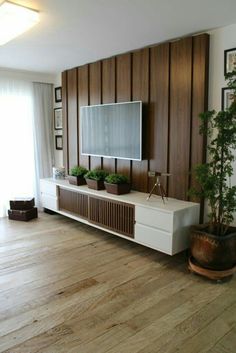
229, 60
58, 94
226, 97
57, 118
59, 142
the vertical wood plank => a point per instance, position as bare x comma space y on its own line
159, 111
65, 120
140, 90
180, 117
199, 104
108, 96
82, 101
72, 117
199, 98
123, 94
95, 94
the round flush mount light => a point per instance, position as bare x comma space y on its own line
15, 20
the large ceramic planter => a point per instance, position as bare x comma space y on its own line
95, 184
211, 251
76, 180
117, 189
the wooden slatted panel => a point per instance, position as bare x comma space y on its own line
199, 101
108, 96
140, 91
72, 117
73, 202
117, 216
83, 100
166, 100
180, 117
95, 93
123, 94
65, 120
159, 111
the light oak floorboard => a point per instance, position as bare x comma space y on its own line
68, 288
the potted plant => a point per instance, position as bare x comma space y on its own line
95, 179
76, 176
213, 245
117, 184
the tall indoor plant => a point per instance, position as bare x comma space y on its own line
213, 245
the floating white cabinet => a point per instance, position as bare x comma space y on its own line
163, 227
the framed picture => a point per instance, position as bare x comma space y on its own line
59, 142
58, 96
229, 60
227, 98
57, 118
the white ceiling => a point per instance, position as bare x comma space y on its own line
75, 32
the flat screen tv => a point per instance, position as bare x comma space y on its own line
112, 130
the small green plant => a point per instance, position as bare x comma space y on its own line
213, 177
78, 171
116, 179
96, 174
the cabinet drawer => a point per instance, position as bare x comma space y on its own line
48, 188
49, 202
154, 218
154, 238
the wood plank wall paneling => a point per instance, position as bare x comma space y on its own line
95, 94
159, 111
180, 117
83, 99
171, 80
140, 91
65, 120
109, 96
123, 94
72, 117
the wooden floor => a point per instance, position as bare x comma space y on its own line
68, 288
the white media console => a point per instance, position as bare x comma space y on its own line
163, 227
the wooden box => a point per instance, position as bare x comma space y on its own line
95, 184
22, 204
117, 189
75, 180
23, 215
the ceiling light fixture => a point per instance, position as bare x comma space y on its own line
15, 20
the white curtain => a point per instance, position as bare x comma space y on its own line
24, 139
17, 174
43, 132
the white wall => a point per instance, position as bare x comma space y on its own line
220, 40
57, 153
28, 75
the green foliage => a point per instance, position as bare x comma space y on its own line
213, 177
78, 171
96, 174
116, 179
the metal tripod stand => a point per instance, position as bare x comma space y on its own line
159, 187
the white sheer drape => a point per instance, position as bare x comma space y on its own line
25, 139
17, 172
43, 132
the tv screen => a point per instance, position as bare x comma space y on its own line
112, 130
